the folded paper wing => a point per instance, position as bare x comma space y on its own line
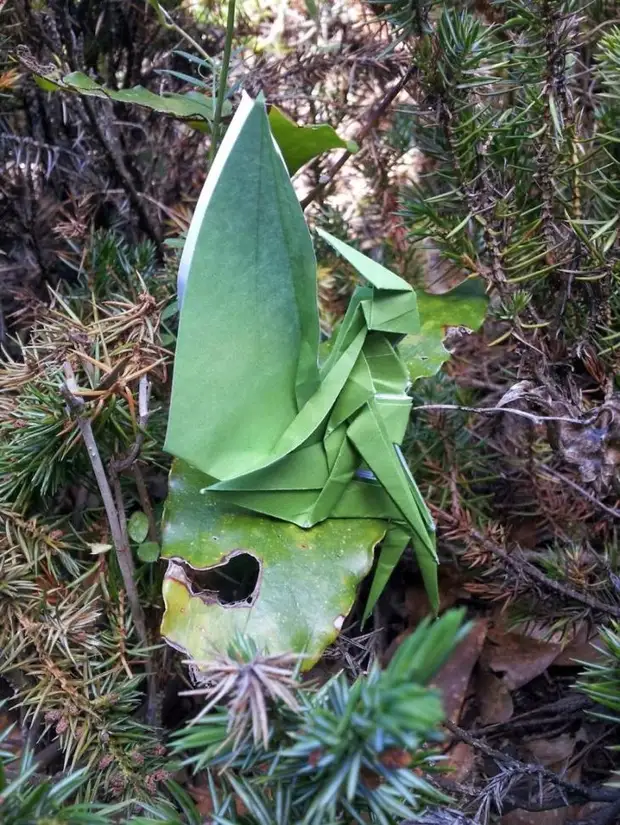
272, 431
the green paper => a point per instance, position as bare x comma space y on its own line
299, 144
392, 548
276, 447
246, 350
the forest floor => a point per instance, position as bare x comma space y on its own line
504, 500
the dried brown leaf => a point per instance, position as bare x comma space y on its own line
554, 751
453, 678
460, 761
518, 657
583, 648
494, 699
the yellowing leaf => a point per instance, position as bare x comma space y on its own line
307, 583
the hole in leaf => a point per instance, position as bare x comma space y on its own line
234, 582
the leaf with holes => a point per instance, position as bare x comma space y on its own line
463, 308
306, 583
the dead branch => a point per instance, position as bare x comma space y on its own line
518, 563
376, 113
536, 419
566, 792
121, 545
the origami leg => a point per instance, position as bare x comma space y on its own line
392, 548
368, 434
370, 437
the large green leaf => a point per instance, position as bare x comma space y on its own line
307, 583
465, 306
194, 107
299, 144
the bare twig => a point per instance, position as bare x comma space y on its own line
115, 467
115, 159
612, 511
119, 465
536, 419
120, 170
561, 709
521, 565
570, 791
121, 546
376, 113
592, 33
166, 20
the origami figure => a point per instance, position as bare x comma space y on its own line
273, 430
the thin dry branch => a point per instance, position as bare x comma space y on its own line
119, 465
115, 467
568, 792
612, 511
121, 546
536, 419
519, 564
376, 113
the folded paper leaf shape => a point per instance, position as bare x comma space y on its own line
260, 429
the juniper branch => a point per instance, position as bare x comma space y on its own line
521, 565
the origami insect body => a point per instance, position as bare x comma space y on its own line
267, 427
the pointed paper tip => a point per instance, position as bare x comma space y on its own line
244, 109
247, 102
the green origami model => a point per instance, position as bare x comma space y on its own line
274, 431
